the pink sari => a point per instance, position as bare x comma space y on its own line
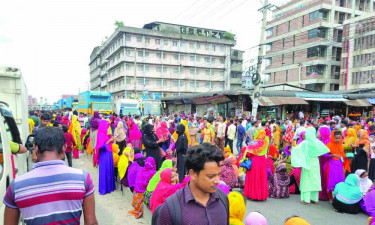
134, 135
101, 140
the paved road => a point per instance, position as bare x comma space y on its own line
111, 209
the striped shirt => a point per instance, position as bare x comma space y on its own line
51, 193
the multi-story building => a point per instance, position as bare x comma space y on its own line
162, 58
304, 42
358, 56
236, 69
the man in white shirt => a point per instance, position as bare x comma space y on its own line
220, 138
231, 133
299, 130
300, 114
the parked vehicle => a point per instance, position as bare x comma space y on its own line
90, 101
126, 107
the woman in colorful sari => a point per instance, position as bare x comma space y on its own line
75, 129
276, 136
135, 135
66, 121
175, 135
278, 183
163, 132
142, 178
166, 187
323, 135
347, 195
334, 168
228, 173
193, 132
305, 155
125, 160
237, 208
208, 134
120, 137
106, 165
155, 180
295, 174
288, 137
368, 202
152, 144
256, 184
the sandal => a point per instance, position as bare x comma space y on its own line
314, 202
305, 203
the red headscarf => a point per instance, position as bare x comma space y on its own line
162, 131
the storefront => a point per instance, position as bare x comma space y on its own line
358, 108
282, 107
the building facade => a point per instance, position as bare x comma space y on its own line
358, 56
236, 59
304, 42
164, 59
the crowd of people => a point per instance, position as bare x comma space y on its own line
184, 156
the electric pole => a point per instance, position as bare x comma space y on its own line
135, 72
256, 92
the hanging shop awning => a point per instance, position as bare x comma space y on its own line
358, 103
327, 99
274, 101
218, 99
371, 100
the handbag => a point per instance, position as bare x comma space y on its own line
162, 153
246, 164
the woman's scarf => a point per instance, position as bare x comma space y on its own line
144, 175
233, 161
364, 183
164, 188
349, 189
288, 137
300, 138
172, 128
59, 118
134, 168
175, 135
123, 162
162, 131
369, 200
364, 139
66, 121
336, 148
255, 218
119, 132
276, 135
260, 145
94, 121
237, 208
310, 147
351, 138
156, 178
101, 140
281, 175
324, 135
228, 175
83, 133
134, 133
296, 221
75, 129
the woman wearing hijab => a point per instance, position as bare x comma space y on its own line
237, 208
323, 135
120, 137
350, 140
368, 202
193, 132
295, 220
172, 127
155, 180
66, 121
362, 147
142, 178
347, 195
106, 165
228, 174
139, 162
152, 144
94, 124
125, 160
181, 148
295, 174
163, 133
175, 135
75, 129
256, 184
364, 182
305, 155
255, 218
208, 134
334, 167
166, 187
279, 183
135, 135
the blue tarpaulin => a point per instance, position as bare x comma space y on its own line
371, 100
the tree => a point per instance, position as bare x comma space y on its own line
119, 24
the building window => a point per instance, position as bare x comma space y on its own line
207, 47
158, 55
222, 61
192, 71
140, 67
139, 39
181, 83
164, 55
191, 83
197, 59
317, 32
207, 72
222, 48
147, 54
140, 81
157, 41
147, 40
213, 47
165, 42
191, 45
268, 61
175, 70
175, 83
158, 83
128, 53
182, 44
128, 38
182, 57
318, 14
165, 82
175, 56
165, 69
269, 31
196, 84
318, 51
192, 58
140, 53
315, 70
212, 60
158, 69
174, 43
206, 59
207, 85
269, 46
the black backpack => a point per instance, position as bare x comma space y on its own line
174, 208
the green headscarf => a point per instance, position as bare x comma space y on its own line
310, 147
349, 190
156, 178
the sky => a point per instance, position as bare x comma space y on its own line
51, 40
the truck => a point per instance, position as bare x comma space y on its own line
126, 107
62, 103
69, 101
151, 107
13, 127
90, 101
